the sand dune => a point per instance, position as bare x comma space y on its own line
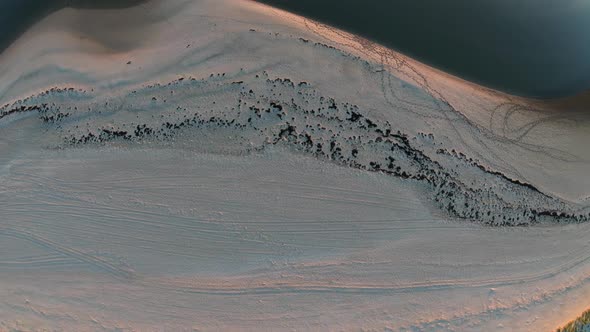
224, 165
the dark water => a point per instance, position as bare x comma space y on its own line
536, 48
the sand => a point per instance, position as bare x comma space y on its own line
228, 166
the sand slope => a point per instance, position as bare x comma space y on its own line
228, 166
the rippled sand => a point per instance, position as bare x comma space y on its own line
223, 165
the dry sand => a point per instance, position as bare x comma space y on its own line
168, 177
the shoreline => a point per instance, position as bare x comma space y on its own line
321, 17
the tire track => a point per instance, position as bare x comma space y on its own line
96, 262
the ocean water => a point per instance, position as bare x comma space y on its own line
535, 48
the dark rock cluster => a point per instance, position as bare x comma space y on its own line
258, 111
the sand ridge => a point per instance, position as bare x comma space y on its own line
242, 168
